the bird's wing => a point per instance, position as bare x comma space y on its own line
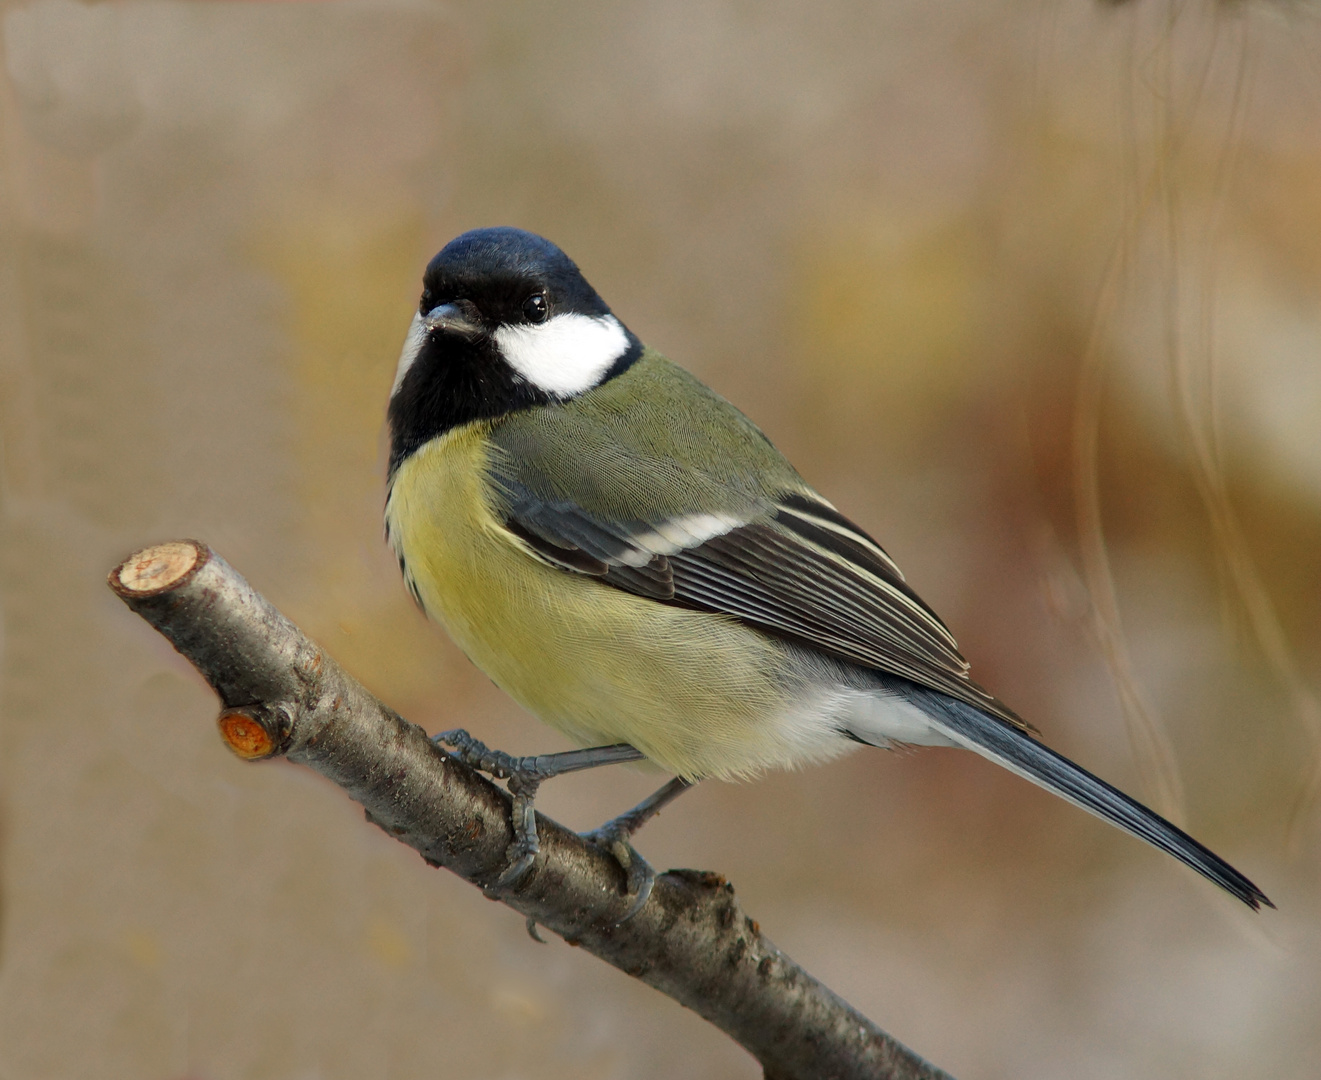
789, 564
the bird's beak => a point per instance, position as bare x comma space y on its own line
460, 319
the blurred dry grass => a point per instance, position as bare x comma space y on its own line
896, 235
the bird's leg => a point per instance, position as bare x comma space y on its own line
616, 833
525, 775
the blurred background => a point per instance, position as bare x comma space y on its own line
1029, 288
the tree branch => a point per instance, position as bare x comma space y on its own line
281, 694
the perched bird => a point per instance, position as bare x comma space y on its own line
628, 556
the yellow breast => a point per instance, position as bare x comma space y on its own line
697, 693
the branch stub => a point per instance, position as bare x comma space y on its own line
158, 569
246, 735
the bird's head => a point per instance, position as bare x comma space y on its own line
506, 321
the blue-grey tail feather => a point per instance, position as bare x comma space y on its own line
994, 739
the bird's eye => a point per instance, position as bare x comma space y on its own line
535, 308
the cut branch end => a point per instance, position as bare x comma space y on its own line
158, 569
246, 736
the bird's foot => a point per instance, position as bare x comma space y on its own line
615, 836
477, 755
524, 776
639, 878
522, 850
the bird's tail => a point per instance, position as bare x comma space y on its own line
1019, 753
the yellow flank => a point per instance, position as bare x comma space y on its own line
696, 692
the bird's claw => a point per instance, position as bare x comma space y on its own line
525, 774
477, 755
522, 783
639, 877
521, 857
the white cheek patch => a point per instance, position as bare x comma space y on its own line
417, 335
565, 355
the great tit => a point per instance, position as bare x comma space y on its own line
628, 556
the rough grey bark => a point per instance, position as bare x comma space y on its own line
281, 694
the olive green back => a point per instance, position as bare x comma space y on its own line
651, 443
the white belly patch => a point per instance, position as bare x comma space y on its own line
823, 716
